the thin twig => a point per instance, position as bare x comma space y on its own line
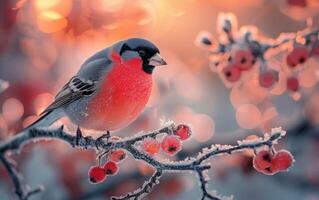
22, 191
145, 189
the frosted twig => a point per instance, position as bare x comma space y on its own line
22, 191
145, 189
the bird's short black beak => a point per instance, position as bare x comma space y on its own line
157, 60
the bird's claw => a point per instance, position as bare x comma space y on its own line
98, 141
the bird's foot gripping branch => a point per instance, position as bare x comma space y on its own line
145, 146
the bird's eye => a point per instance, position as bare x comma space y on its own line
142, 53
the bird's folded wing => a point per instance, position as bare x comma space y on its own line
72, 91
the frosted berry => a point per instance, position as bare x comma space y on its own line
292, 84
298, 55
151, 146
244, 59
96, 174
111, 168
117, 155
232, 73
183, 131
268, 78
282, 160
262, 160
171, 145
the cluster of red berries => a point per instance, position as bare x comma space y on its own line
239, 61
235, 53
270, 163
296, 58
97, 174
170, 144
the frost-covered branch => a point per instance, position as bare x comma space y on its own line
131, 145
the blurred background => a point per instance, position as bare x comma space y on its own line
43, 43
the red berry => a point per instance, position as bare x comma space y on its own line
282, 160
117, 155
244, 59
298, 55
111, 168
262, 160
151, 146
290, 61
183, 131
292, 84
96, 174
268, 78
171, 145
232, 73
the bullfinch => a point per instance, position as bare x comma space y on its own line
110, 90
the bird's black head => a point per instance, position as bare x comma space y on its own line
146, 50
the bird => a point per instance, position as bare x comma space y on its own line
110, 90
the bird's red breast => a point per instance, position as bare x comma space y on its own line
122, 96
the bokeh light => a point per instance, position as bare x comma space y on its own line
248, 116
12, 109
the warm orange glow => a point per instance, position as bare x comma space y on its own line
236, 4
107, 5
29, 120
42, 101
248, 116
63, 7
50, 22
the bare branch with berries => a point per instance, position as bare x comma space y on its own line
237, 55
146, 145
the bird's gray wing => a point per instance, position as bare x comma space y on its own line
72, 91
85, 83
